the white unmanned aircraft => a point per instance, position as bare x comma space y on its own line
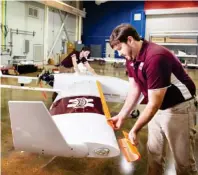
76, 125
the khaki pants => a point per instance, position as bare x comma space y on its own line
174, 126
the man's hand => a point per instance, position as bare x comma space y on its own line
90, 69
117, 121
133, 136
77, 73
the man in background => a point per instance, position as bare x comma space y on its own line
75, 58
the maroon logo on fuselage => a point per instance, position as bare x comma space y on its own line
80, 103
77, 104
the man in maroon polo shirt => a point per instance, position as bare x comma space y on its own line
74, 58
170, 94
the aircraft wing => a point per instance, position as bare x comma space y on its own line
76, 125
113, 60
114, 89
110, 60
21, 79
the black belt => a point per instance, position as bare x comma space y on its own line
195, 100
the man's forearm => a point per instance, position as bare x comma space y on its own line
155, 97
145, 117
91, 70
76, 69
130, 102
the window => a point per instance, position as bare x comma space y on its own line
33, 12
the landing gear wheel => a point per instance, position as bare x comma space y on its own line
135, 113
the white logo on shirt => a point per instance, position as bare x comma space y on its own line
80, 103
141, 65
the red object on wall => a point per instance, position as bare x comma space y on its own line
148, 5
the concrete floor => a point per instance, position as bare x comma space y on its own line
16, 162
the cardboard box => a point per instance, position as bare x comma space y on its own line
51, 61
70, 47
181, 40
158, 39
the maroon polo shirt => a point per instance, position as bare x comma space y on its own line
67, 62
156, 67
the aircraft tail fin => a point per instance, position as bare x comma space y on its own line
34, 130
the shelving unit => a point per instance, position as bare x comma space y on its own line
184, 44
177, 44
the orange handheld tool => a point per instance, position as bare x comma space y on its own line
128, 149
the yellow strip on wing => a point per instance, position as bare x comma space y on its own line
104, 103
